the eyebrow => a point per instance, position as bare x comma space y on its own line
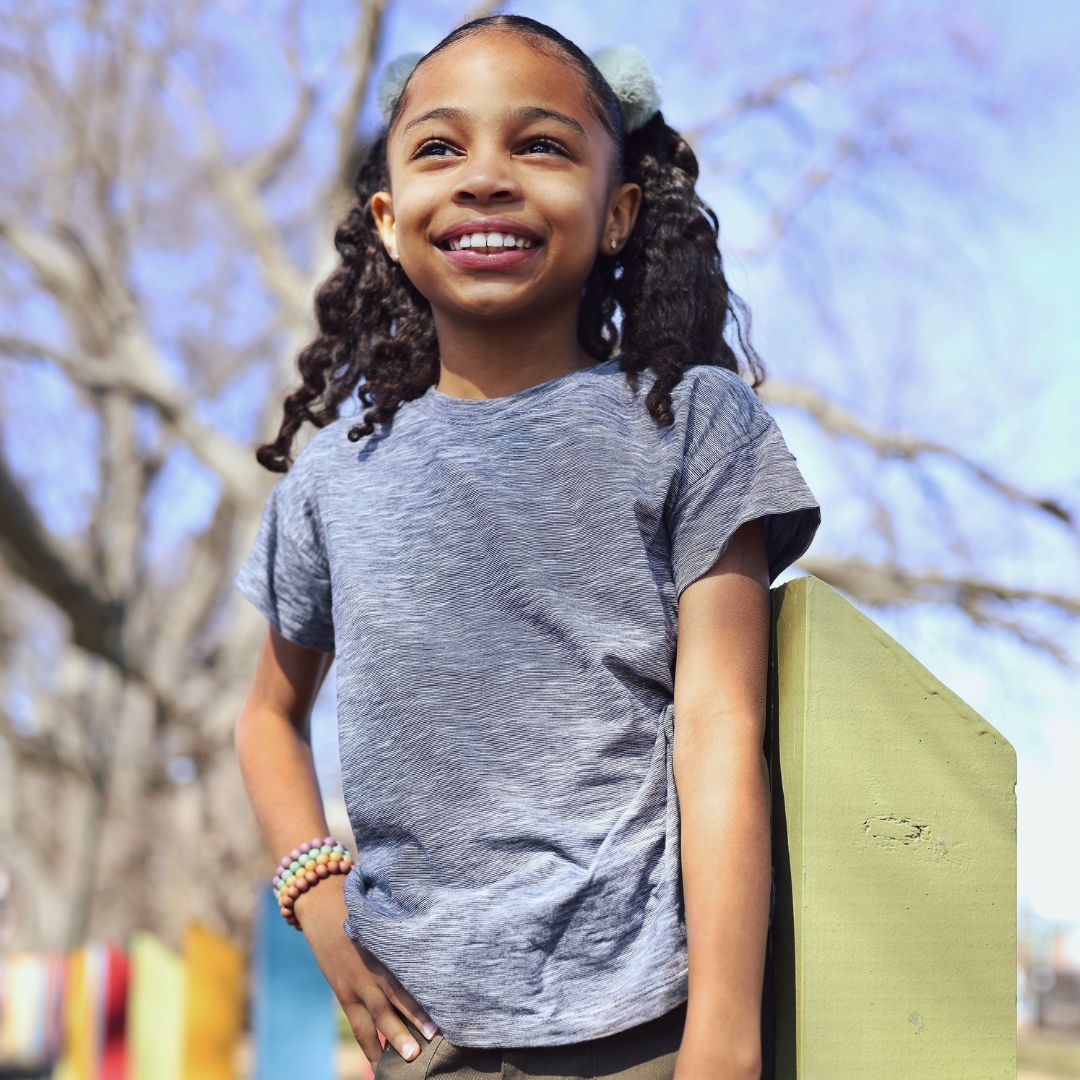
524, 114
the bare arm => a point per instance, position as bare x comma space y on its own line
722, 780
273, 748
276, 762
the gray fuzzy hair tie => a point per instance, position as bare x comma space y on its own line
392, 82
627, 72
624, 68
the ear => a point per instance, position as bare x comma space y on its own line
623, 207
381, 205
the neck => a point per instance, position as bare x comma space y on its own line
483, 358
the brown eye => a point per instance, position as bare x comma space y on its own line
421, 150
547, 142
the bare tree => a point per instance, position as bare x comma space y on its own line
138, 219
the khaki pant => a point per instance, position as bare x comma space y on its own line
644, 1052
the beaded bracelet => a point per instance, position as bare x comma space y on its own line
305, 866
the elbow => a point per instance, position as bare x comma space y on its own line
731, 758
747, 1069
242, 727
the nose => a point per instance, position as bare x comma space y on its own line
487, 176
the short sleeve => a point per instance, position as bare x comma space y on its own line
286, 575
736, 468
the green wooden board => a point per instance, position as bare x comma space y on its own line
894, 833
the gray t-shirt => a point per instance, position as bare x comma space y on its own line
499, 579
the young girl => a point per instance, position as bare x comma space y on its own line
563, 863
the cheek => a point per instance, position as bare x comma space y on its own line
583, 211
408, 216
414, 202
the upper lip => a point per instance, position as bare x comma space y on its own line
486, 225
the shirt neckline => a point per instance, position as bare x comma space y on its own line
436, 403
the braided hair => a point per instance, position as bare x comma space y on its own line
376, 332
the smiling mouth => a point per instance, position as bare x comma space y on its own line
492, 243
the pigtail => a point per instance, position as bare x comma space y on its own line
671, 289
376, 335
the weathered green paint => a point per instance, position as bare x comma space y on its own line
894, 830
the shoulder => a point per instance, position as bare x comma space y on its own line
708, 388
319, 447
300, 488
718, 411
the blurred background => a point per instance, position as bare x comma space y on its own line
897, 190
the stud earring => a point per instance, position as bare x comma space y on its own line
614, 242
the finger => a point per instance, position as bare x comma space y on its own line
405, 1003
389, 1022
363, 1029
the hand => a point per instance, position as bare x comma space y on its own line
369, 994
708, 1058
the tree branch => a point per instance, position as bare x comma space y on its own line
358, 62
890, 585
837, 421
42, 562
129, 371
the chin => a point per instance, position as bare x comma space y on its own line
482, 307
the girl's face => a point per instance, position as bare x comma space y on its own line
495, 136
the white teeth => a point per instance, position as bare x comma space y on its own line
489, 240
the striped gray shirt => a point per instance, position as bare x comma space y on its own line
499, 581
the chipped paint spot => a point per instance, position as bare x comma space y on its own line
891, 833
916, 1021
888, 829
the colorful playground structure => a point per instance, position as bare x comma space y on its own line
147, 1013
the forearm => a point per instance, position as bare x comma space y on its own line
278, 770
726, 855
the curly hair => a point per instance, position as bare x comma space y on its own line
662, 302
